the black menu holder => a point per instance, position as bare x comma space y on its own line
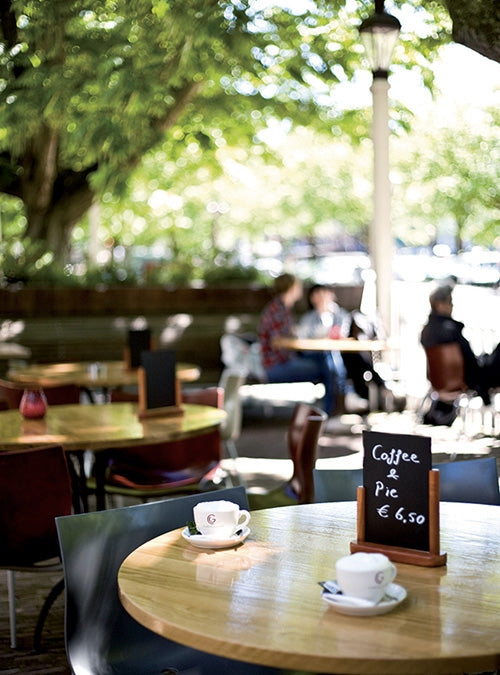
398, 504
159, 388
138, 341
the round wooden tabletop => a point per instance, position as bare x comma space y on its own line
327, 344
12, 350
92, 375
260, 602
98, 427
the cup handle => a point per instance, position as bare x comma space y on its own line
394, 571
246, 518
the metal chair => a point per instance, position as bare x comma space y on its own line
303, 434
231, 428
100, 636
473, 481
35, 487
336, 485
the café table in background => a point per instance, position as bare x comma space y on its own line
89, 375
12, 350
260, 602
330, 344
97, 428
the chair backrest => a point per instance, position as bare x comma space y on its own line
303, 434
231, 428
170, 465
213, 396
35, 487
101, 637
241, 354
473, 481
336, 485
445, 367
296, 426
57, 394
173, 464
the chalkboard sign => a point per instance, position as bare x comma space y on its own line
138, 341
398, 505
159, 391
396, 481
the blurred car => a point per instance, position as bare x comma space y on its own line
479, 267
344, 268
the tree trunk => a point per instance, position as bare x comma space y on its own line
55, 201
55, 223
477, 25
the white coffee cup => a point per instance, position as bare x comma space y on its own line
219, 519
365, 575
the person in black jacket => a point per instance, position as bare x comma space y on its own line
480, 373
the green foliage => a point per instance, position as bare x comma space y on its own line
110, 274
111, 77
451, 176
29, 263
23, 259
224, 274
170, 111
178, 272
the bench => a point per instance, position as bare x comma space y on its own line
92, 324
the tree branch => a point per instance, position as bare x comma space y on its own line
477, 25
9, 30
184, 96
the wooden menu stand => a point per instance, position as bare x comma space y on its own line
431, 558
138, 341
159, 411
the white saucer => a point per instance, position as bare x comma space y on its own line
393, 597
209, 541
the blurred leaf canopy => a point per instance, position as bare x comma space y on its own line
134, 105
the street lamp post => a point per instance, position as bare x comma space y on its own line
379, 34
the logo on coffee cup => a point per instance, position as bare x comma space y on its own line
380, 577
211, 519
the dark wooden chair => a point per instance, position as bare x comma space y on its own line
303, 434
445, 372
35, 487
101, 638
187, 466
472, 481
336, 485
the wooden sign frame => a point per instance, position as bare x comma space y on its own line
127, 350
145, 407
429, 558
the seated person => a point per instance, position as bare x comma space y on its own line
282, 365
327, 318
480, 374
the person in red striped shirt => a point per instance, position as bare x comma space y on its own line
282, 365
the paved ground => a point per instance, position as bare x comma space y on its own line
264, 463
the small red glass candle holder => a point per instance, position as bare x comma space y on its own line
33, 404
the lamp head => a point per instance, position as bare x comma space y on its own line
379, 34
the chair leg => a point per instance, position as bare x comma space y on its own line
233, 454
231, 448
420, 411
49, 601
11, 587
